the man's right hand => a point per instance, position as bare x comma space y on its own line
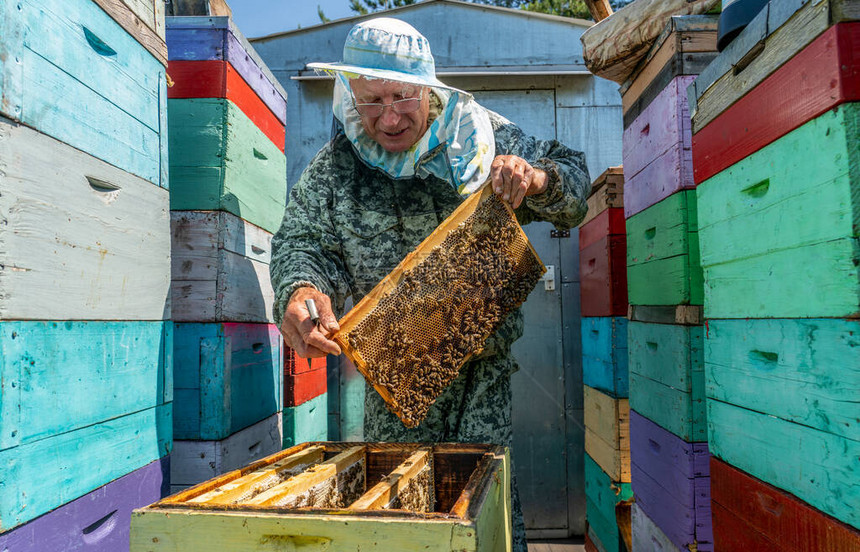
307, 339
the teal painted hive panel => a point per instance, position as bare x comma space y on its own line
306, 422
72, 72
228, 377
604, 354
602, 496
820, 468
667, 380
779, 229
220, 160
805, 371
663, 266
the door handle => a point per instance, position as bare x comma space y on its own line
549, 278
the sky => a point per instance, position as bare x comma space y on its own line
261, 17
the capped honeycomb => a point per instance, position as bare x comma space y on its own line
411, 335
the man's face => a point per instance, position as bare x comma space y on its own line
392, 130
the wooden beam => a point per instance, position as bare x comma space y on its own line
384, 492
600, 9
254, 483
310, 478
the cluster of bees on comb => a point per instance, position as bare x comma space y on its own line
443, 309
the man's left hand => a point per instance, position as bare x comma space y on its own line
514, 179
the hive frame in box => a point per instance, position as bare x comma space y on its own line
471, 487
390, 283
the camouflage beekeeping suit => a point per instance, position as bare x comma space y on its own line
348, 225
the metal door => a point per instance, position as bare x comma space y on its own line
547, 390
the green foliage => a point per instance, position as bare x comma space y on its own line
321, 14
363, 7
565, 8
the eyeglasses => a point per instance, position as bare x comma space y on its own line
401, 107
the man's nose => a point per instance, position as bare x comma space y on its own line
389, 117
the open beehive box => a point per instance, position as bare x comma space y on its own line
414, 331
342, 496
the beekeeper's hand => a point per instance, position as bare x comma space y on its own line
514, 179
307, 339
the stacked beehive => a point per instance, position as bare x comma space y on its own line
776, 157
668, 445
226, 127
85, 337
305, 399
603, 273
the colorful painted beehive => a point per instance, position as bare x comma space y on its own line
306, 412
607, 507
607, 433
604, 355
602, 270
775, 138
342, 496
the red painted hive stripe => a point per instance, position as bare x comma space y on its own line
603, 274
820, 77
218, 79
608, 223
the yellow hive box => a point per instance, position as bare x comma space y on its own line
365, 497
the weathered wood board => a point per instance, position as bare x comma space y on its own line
96, 522
227, 377
603, 497
51, 472
607, 191
69, 54
471, 511
775, 35
218, 38
220, 160
684, 47
688, 315
671, 482
195, 461
607, 433
81, 239
218, 79
804, 371
604, 355
657, 151
751, 513
603, 277
59, 377
647, 537
817, 467
142, 19
824, 75
610, 222
663, 266
667, 381
220, 268
306, 422
757, 274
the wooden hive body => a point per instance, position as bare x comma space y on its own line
342, 496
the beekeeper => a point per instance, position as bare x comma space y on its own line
406, 152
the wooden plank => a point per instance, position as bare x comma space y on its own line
773, 37
819, 468
218, 79
600, 9
689, 315
195, 461
240, 489
609, 222
680, 412
110, 369
607, 191
603, 276
51, 472
71, 53
772, 517
668, 353
222, 161
663, 265
85, 239
319, 474
604, 355
647, 536
786, 368
97, 521
227, 377
663, 125
218, 38
294, 364
733, 533
607, 433
491, 509
300, 388
306, 422
769, 188
603, 497
387, 491
819, 78
669, 174
145, 25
